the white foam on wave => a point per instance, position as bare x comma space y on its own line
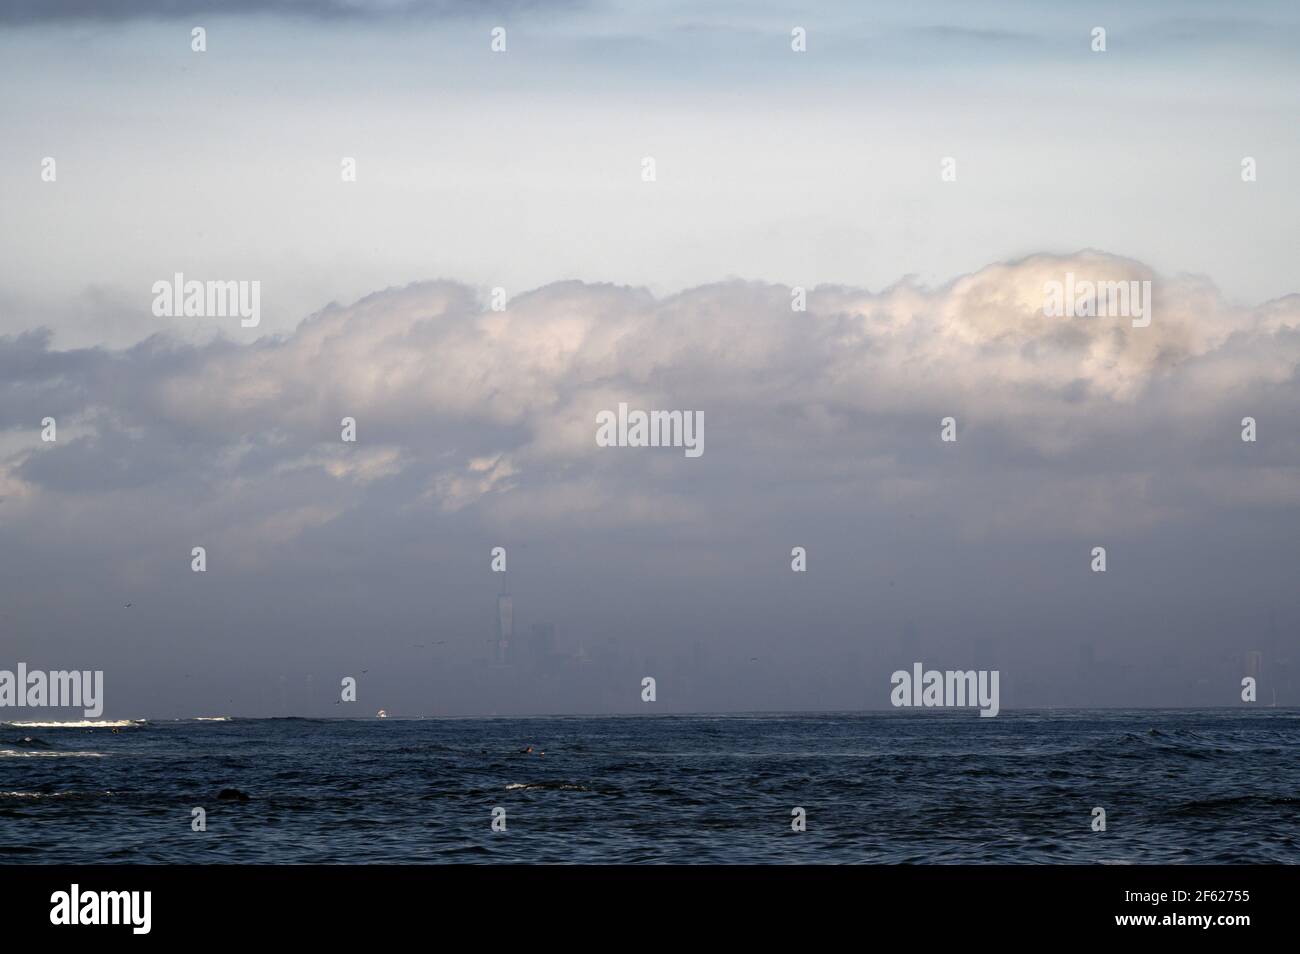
82, 724
12, 754
212, 718
41, 794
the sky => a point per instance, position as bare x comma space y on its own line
522, 170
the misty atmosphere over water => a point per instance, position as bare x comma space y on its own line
476, 435
842, 246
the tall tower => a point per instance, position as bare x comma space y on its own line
505, 624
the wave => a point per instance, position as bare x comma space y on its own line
13, 754
80, 724
556, 786
212, 718
52, 794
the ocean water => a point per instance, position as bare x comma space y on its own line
1219, 786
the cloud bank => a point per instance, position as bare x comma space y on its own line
477, 428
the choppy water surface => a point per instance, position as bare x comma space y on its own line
1218, 786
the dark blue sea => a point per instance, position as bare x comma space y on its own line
1220, 786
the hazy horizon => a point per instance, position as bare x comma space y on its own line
500, 272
